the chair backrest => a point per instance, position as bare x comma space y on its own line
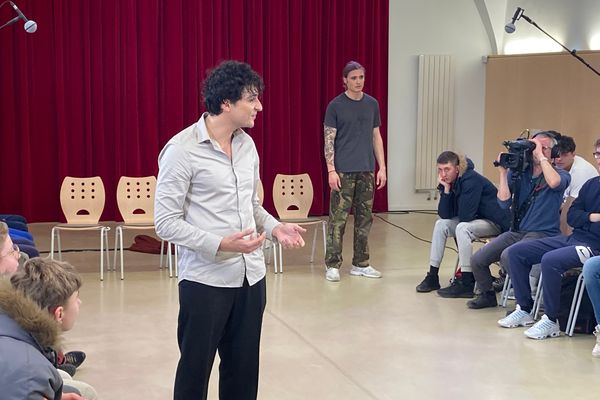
261, 191
82, 199
135, 198
292, 196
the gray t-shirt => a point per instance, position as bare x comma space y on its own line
354, 121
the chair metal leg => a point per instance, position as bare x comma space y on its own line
275, 256
575, 304
314, 243
117, 231
120, 251
52, 234
505, 290
102, 254
59, 245
162, 248
280, 251
537, 299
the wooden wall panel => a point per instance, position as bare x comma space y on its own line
541, 91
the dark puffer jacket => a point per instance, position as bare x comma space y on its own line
472, 196
26, 335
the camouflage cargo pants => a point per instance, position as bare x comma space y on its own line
356, 194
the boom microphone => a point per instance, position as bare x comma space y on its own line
30, 26
510, 27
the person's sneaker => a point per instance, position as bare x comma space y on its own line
68, 368
543, 328
75, 358
332, 274
459, 288
367, 271
483, 300
429, 284
596, 351
516, 318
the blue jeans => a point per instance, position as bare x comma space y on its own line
591, 277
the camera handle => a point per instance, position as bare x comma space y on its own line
515, 179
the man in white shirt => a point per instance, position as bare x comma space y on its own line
207, 204
580, 171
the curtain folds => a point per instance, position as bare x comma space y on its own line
102, 85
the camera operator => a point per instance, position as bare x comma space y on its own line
535, 196
557, 255
468, 210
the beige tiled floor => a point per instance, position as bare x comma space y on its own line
356, 339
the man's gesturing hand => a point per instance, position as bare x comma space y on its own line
238, 243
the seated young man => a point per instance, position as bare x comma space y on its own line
468, 210
591, 277
579, 169
42, 302
538, 195
557, 254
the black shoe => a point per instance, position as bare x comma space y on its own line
483, 300
429, 284
498, 284
459, 288
68, 368
75, 358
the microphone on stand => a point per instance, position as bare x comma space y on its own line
510, 27
30, 26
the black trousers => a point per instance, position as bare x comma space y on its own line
225, 319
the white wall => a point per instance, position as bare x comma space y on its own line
467, 30
432, 27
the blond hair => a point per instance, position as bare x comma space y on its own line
47, 282
3, 232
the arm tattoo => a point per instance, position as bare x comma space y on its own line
329, 144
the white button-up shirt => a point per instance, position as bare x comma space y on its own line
202, 196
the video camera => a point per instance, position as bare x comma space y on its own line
519, 156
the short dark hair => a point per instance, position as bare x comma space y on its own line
566, 144
227, 82
448, 157
351, 66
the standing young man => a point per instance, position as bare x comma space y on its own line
207, 204
352, 144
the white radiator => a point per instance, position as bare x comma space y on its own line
435, 117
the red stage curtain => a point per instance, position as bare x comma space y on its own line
102, 85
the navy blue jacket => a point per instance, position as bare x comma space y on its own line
578, 216
472, 196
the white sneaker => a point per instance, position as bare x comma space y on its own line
543, 328
367, 271
332, 274
596, 351
516, 318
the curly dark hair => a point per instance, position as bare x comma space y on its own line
227, 82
